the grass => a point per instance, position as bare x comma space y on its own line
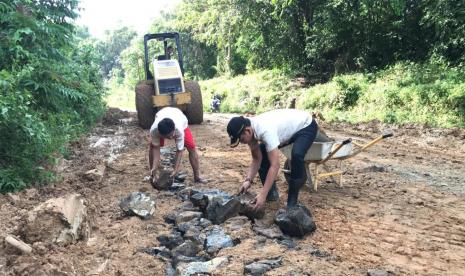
120, 97
431, 94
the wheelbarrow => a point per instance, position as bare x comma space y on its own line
322, 151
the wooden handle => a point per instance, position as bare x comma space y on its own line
24, 247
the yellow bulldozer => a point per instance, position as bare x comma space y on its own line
164, 83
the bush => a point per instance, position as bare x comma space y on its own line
50, 89
431, 93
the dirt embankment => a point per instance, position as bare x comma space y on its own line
401, 208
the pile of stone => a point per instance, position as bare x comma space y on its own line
196, 237
218, 206
192, 245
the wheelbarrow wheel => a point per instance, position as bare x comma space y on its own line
287, 173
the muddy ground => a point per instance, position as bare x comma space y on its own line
401, 208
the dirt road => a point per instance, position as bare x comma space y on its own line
401, 209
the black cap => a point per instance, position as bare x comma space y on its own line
165, 126
235, 128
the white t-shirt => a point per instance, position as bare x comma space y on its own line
277, 127
180, 124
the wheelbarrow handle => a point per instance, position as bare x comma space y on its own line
333, 152
347, 141
387, 135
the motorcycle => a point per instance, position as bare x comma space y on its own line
215, 104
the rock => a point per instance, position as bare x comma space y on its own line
204, 223
269, 231
296, 221
193, 234
379, 272
219, 209
138, 204
181, 176
216, 205
31, 193
185, 226
185, 194
289, 243
315, 251
256, 269
171, 241
195, 268
200, 200
187, 216
187, 248
161, 252
96, 174
237, 223
185, 259
164, 180
62, 220
188, 206
374, 168
177, 186
170, 218
217, 240
13, 198
169, 270
262, 266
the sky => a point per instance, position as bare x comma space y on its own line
101, 15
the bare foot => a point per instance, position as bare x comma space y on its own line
201, 180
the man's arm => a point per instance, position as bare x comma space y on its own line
273, 157
177, 162
154, 158
256, 160
253, 169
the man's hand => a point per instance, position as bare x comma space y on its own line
259, 202
245, 186
173, 174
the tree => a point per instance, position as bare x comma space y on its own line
50, 88
110, 48
215, 24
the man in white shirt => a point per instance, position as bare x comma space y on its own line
265, 134
171, 123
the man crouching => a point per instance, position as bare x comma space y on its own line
264, 134
171, 123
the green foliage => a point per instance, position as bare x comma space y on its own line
50, 92
431, 94
348, 95
132, 61
445, 20
110, 48
314, 39
254, 92
120, 95
319, 39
